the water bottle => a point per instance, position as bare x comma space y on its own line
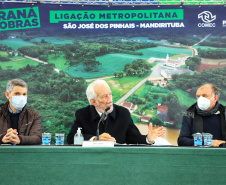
78, 138
197, 139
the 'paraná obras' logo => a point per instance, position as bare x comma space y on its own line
206, 16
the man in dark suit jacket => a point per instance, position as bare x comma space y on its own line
207, 115
118, 126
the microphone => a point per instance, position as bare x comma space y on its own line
103, 116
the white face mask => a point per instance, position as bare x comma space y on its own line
18, 102
203, 103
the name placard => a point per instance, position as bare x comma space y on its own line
98, 144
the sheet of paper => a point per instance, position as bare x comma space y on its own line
161, 141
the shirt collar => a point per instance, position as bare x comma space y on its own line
96, 114
10, 110
100, 113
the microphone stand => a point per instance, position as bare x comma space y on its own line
103, 116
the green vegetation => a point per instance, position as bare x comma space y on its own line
36, 51
2, 58
15, 43
89, 59
9, 61
18, 63
184, 98
161, 52
187, 81
184, 66
193, 62
143, 90
80, 53
206, 47
55, 95
210, 53
136, 119
120, 86
138, 67
218, 42
4, 54
147, 97
159, 90
116, 62
51, 40
156, 121
119, 74
184, 38
110, 63
153, 65
175, 111
152, 112
59, 61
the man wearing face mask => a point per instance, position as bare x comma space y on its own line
118, 126
18, 123
207, 115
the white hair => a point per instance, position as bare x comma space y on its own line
90, 93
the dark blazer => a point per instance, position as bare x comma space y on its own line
192, 124
119, 125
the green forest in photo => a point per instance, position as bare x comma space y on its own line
58, 70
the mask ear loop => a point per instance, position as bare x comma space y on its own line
210, 100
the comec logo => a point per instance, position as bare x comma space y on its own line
207, 18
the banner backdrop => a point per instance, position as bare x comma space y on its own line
153, 58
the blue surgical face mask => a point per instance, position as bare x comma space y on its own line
18, 102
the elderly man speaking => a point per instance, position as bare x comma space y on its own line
118, 126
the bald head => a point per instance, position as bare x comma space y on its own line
211, 87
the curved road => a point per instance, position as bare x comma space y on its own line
40, 61
194, 49
153, 76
